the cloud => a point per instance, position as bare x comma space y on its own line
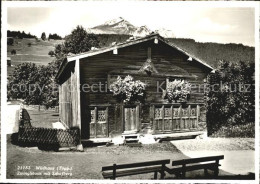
206, 25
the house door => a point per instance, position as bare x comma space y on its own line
99, 122
131, 119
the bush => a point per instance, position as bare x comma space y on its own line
231, 102
43, 36
51, 53
13, 52
247, 130
10, 41
29, 44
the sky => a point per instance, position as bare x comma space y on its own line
204, 24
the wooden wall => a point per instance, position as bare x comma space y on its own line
68, 98
106, 67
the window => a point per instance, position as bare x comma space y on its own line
98, 121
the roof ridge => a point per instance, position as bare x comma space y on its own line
119, 44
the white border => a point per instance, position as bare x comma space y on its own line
257, 82
3, 90
70, 3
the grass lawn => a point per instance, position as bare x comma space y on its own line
42, 118
37, 53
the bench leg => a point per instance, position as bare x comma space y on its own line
183, 174
206, 172
162, 175
155, 175
216, 172
178, 175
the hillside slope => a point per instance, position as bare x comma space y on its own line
211, 53
31, 50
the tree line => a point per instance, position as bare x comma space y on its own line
19, 34
22, 35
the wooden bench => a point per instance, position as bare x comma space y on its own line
120, 170
207, 163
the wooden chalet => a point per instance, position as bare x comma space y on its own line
98, 114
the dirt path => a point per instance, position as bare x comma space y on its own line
235, 162
239, 154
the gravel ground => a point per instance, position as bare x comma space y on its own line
215, 144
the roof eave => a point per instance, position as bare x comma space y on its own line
195, 58
61, 68
84, 55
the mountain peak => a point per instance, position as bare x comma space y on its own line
114, 21
121, 26
142, 31
165, 33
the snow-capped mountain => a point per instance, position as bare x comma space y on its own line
165, 33
115, 26
142, 31
122, 26
114, 21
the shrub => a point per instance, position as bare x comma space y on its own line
43, 36
10, 41
51, 53
231, 102
13, 52
247, 130
29, 44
